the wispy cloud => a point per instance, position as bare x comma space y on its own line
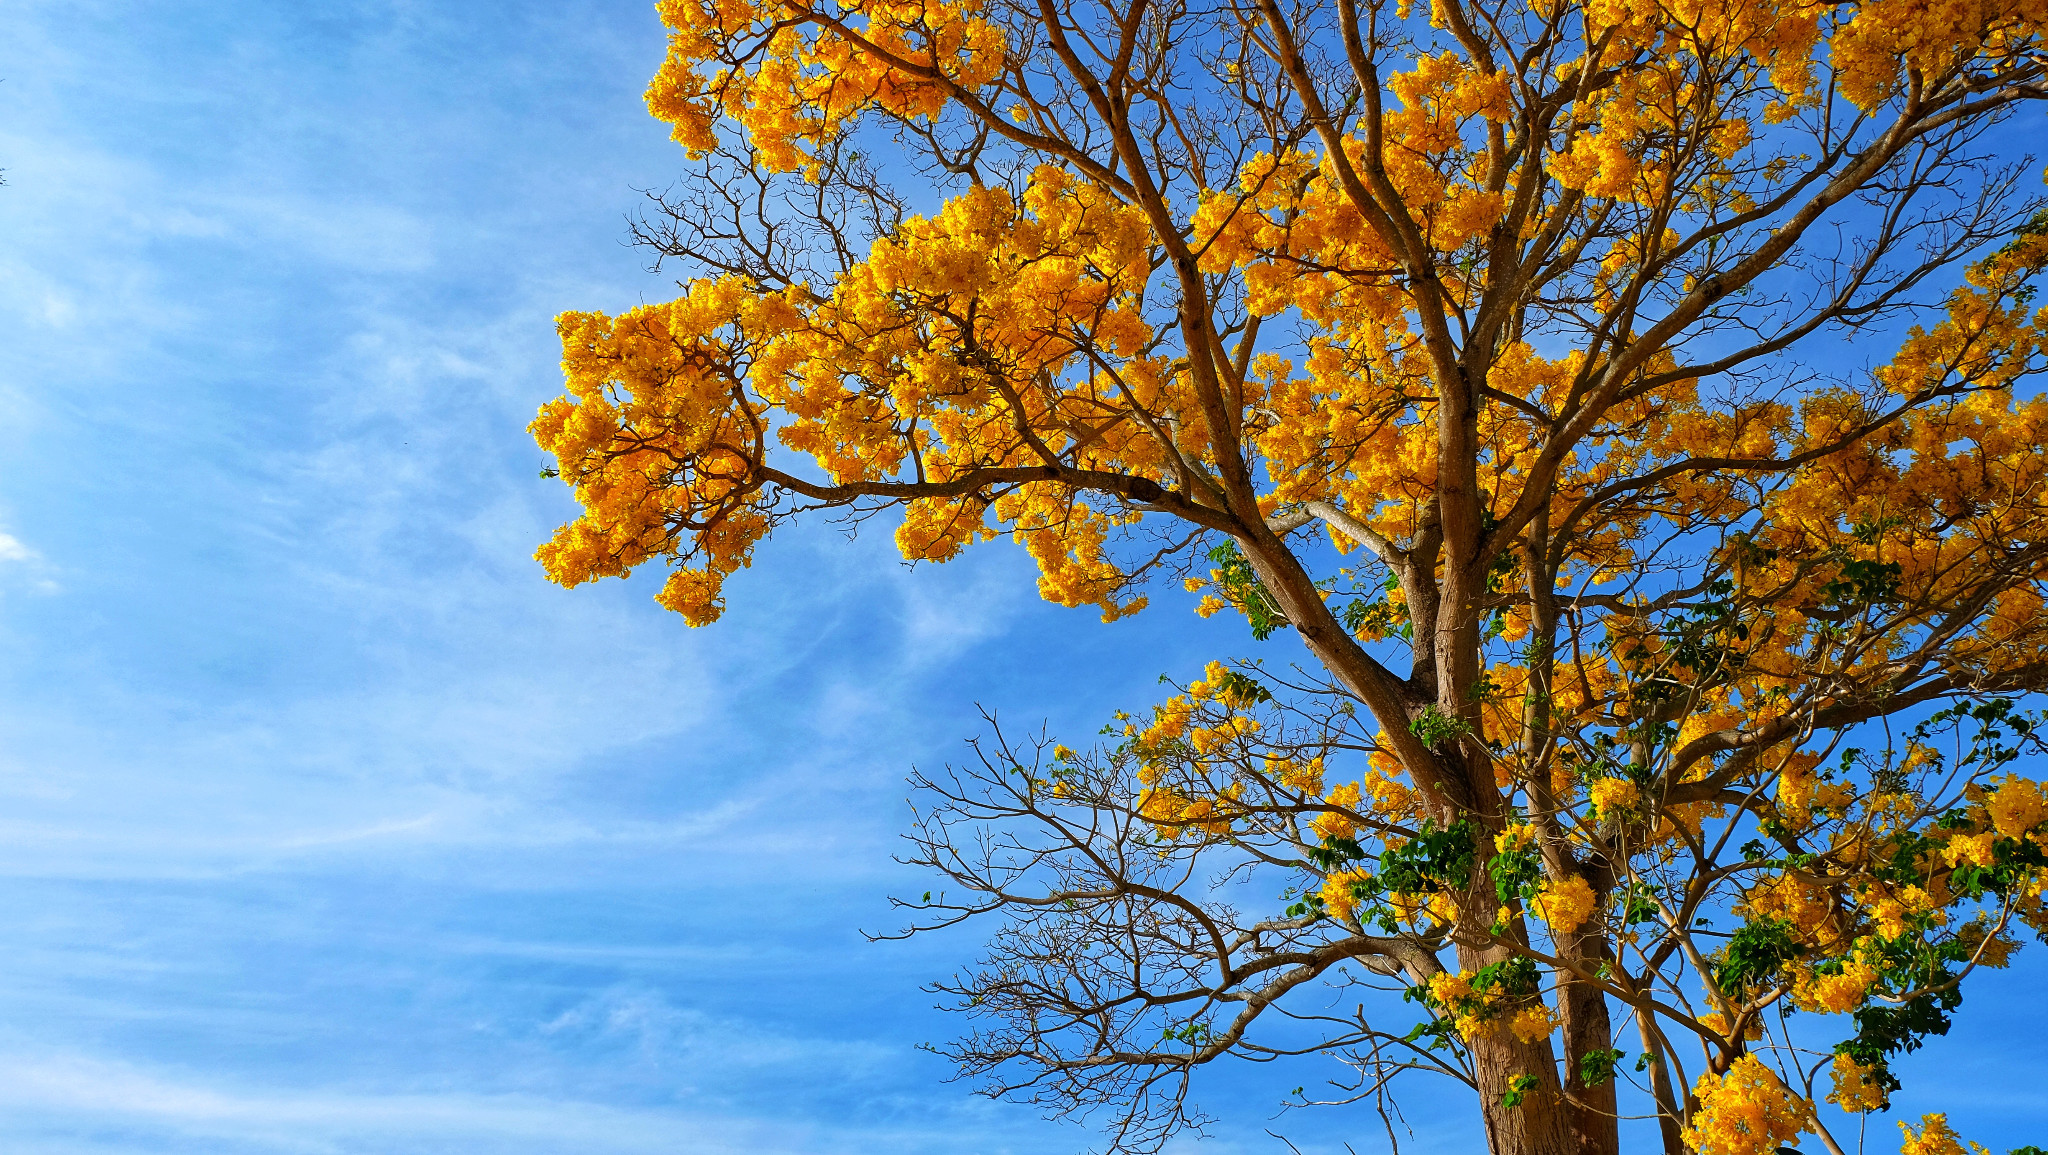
326, 825
158, 1106
25, 568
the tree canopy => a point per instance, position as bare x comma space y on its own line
1627, 405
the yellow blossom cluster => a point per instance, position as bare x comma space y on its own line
1935, 1137
1890, 39
1840, 992
1340, 821
665, 442
1176, 814
1896, 910
1745, 1111
1856, 1090
1801, 792
1475, 1013
1422, 910
1608, 797
1715, 1021
2016, 807
649, 442
1340, 892
1565, 904
1380, 793
811, 74
1515, 838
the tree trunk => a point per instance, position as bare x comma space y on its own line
1595, 1128
1540, 1124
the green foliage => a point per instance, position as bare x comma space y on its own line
1755, 953
1496, 987
1597, 1066
1518, 1089
1378, 615
1438, 729
1516, 977
1516, 874
1241, 691
1440, 1031
2012, 859
1862, 583
1705, 641
1638, 903
1243, 589
1988, 750
2025, 294
1431, 861
1883, 1031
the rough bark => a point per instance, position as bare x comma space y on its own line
1540, 1124
1594, 1126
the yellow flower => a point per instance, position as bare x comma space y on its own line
1894, 913
1971, 849
1715, 1021
1339, 897
1935, 1138
1610, 796
1855, 1090
1841, 992
1564, 904
2016, 807
1532, 1023
1515, 839
1338, 823
1448, 988
1747, 1111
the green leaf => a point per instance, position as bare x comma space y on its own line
1756, 952
1242, 588
1597, 1066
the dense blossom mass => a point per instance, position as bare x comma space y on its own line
1627, 405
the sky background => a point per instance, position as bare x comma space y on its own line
326, 825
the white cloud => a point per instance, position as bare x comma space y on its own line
25, 566
58, 310
107, 1093
943, 619
76, 1095
649, 1022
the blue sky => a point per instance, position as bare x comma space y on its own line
326, 826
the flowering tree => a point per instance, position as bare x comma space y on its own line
1665, 640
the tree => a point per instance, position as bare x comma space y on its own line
1664, 660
